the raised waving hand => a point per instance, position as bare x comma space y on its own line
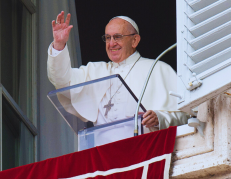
61, 30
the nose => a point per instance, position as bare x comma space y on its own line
112, 42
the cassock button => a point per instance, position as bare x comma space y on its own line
118, 92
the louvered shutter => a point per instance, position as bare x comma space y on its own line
203, 50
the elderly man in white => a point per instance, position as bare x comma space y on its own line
121, 38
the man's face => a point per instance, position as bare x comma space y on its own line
120, 50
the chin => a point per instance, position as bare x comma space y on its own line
115, 59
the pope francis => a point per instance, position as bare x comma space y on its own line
121, 39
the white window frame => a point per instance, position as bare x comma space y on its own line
214, 81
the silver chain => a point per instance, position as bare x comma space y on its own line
123, 79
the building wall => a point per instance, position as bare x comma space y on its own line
208, 156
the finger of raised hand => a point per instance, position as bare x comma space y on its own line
68, 18
58, 19
53, 24
62, 17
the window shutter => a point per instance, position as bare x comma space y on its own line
203, 50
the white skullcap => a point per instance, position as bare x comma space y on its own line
128, 19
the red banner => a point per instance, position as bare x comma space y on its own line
144, 156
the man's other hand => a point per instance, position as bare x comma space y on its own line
61, 31
150, 119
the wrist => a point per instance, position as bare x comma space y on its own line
58, 46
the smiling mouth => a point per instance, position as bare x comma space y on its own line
114, 50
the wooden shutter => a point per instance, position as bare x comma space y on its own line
203, 50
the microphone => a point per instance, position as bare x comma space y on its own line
145, 85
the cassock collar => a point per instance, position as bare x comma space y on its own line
131, 59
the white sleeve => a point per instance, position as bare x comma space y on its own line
53, 52
59, 67
167, 119
62, 75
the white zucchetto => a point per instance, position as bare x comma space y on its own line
128, 19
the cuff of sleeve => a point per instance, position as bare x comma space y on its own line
162, 120
53, 52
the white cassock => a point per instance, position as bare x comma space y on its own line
156, 97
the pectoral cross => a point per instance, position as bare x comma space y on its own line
108, 107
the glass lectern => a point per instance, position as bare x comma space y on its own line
108, 103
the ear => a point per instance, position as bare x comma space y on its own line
136, 40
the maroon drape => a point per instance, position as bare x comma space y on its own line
118, 154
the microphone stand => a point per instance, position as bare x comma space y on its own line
144, 88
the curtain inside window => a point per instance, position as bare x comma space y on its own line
16, 35
25, 67
18, 142
16, 49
